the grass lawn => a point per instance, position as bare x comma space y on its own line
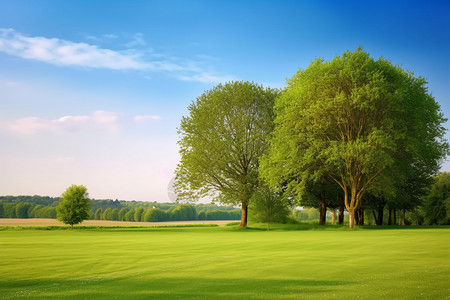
225, 263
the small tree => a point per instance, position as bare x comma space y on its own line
74, 206
138, 214
98, 214
270, 206
129, 216
106, 214
122, 213
115, 214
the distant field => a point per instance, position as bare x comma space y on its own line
53, 222
225, 263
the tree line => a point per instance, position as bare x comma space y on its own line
182, 212
133, 211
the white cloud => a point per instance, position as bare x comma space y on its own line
205, 78
67, 53
30, 125
138, 40
104, 117
100, 120
141, 119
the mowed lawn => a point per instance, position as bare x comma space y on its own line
224, 263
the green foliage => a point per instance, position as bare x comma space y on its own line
138, 214
221, 141
74, 206
216, 215
9, 210
129, 216
22, 210
98, 214
269, 206
307, 214
122, 213
2, 210
106, 214
355, 120
45, 212
184, 212
33, 200
115, 214
154, 215
437, 202
201, 215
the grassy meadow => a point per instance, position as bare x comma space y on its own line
225, 263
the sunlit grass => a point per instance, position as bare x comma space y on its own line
225, 263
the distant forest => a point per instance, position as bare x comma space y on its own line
23, 207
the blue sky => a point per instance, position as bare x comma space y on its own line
92, 92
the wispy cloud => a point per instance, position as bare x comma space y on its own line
138, 41
68, 53
205, 78
101, 120
102, 37
141, 119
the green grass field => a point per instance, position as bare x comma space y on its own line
225, 263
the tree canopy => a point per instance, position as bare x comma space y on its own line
221, 142
355, 120
74, 205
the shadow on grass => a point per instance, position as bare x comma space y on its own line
327, 227
288, 227
122, 228
167, 288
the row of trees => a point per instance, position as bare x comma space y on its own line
178, 212
26, 210
106, 203
182, 212
352, 133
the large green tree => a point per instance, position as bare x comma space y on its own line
74, 205
221, 142
355, 120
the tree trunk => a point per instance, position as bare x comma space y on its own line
323, 209
341, 212
375, 216
390, 217
395, 218
244, 214
403, 217
333, 216
361, 217
380, 215
351, 219
356, 216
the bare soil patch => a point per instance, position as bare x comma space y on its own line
54, 222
